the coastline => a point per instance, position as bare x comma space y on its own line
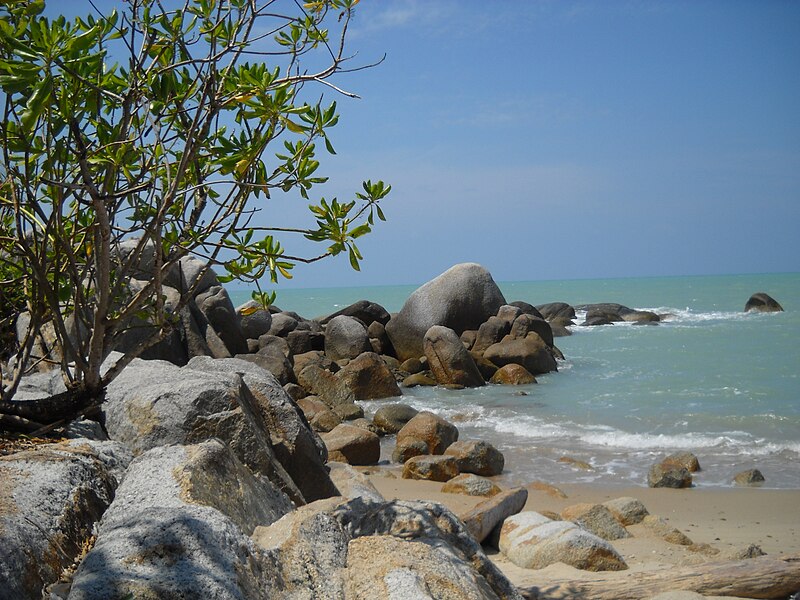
727, 520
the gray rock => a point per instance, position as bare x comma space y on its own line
478, 457
348, 411
483, 518
450, 362
346, 338
596, 519
443, 301
530, 352
271, 359
301, 341
365, 311
254, 320
471, 485
627, 510
178, 529
50, 498
490, 332
532, 541
216, 306
392, 417
554, 310
762, 302
282, 324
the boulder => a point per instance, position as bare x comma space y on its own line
50, 498
273, 360
668, 476
325, 421
301, 341
430, 467
216, 306
483, 518
530, 352
751, 477
486, 368
348, 411
353, 484
418, 379
365, 311
762, 302
449, 361
315, 357
532, 541
254, 319
526, 323
378, 336
352, 445
478, 457
526, 308
178, 528
627, 510
471, 485
391, 418
556, 310
512, 374
324, 384
346, 338
509, 313
490, 332
412, 366
468, 338
282, 324
311, 406
444, 301
368, 378
641, 316
297, 448
596, 519
399, 550
408, 448
434, 431
687, 460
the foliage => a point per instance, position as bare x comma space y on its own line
159, 123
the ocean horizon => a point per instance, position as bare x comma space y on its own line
710, 379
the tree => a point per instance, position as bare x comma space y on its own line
159, 124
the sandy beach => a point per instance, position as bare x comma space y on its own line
720, 522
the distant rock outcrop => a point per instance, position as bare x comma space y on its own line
762, 302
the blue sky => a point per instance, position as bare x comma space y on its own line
562, 140
551, 140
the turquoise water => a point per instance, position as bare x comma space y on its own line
710, 379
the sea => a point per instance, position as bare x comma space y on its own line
710, 379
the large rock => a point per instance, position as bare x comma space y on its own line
478, 457
254, 319
687, 460
533, 541
50, 498
368, 378
346, 338
597, 519
178, 528
461, 298
300, 451
668, 476
490, 332
392, 417
762, 302
270, 358
627, 510
483, 518
449, 360
530, 352
311, 550
365, 311
352, 445
321, 382
217, 308
436, 433
526, 323
430, 467
556, 310
512, 374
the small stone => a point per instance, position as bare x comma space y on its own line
430, 467
471, 485
751, 477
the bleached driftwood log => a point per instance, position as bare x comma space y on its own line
761, 577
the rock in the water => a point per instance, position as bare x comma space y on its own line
668, 476
430, 467
392, 417
346, 338
751, 477
368, 378
461, 298
418, 379
490, 332
478, 457
596, 519
449, 360
352, 445
762, 302
512, 374
556, 310
471, 485
531, 352
526, 323
532, 541
627, 510
365, 311
687, 460
434, 431
50, 498
482, 519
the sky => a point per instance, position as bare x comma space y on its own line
568, 139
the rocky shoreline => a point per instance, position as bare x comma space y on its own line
222, 466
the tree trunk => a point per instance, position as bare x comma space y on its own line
761, 577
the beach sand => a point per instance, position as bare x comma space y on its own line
727, 520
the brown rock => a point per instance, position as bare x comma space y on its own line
751, 477
368, 378
512, 374
687, 460
484, 517
430, 467
478, 457
531, 352
408, 449
626, 510
669, 534
437, 433
471, 485
549, 489
352, 445
448, 360
597, 519
667, 476
418, 379
576, 463
392, 417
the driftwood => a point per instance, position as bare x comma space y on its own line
761, 577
